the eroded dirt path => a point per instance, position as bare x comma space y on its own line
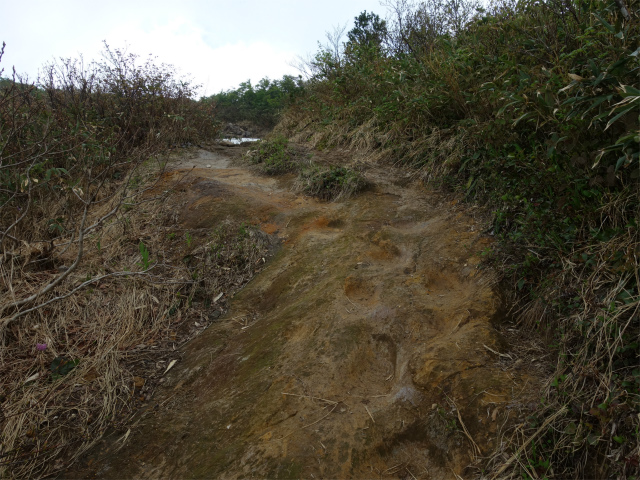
344, 357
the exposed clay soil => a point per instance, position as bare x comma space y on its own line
364, 349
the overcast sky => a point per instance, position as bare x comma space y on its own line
220, 43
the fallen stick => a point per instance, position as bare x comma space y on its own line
320, 419
365, 407
309, 396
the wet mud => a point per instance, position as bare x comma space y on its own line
366, 348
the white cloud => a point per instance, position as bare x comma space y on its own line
182, 44
232, 64
220, 43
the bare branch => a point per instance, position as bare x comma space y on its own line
58, 279
26, 210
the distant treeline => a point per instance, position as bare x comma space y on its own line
260, 104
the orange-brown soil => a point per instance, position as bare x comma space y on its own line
366, 348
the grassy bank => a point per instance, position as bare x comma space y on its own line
99, 283
530, 108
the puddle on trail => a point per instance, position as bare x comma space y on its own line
239, 141
344, 357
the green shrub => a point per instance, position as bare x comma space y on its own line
330, 183
274, 157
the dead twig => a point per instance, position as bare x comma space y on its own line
310, 397
372, 419
474, 445
320, 419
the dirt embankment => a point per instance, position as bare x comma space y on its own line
368, 347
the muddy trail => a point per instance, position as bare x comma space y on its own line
367, 348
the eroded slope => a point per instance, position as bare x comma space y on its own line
366, 348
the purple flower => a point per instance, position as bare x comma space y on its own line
41, 347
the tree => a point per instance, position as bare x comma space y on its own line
369, 31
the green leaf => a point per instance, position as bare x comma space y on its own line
592, 439
606, 24
600, 78
501, 111
627, 137
60, 366
523, 117
600, 117
571, 428
558, 380
597, 101
617, 64
625, 297
626, 110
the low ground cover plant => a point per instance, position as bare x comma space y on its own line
330, 183
276, 156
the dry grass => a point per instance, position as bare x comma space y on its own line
120, 332
433, 153
589, 401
